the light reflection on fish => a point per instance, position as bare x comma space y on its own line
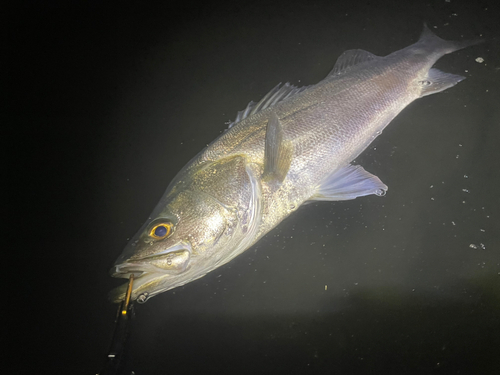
294, 146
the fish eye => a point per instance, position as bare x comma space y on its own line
161, 230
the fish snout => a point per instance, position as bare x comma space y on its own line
173, 262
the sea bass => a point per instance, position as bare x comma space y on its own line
294, 146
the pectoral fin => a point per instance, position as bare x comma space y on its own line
277, 153
347, 183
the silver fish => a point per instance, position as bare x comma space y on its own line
294, 146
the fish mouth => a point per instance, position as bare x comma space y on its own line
138, 269
149, 271
172, 261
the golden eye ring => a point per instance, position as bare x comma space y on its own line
161, 231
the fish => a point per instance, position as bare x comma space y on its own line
294, 146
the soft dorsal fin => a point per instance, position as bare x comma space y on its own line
276, 95
349, 59
277, 152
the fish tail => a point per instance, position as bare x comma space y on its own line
433, 42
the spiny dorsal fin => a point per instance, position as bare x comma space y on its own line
277, 152
349, 59
277, 94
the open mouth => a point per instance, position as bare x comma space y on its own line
138, 269
149, 271
172, 262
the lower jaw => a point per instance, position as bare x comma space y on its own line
140, 286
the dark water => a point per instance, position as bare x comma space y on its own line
107, 106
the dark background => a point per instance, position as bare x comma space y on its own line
104, 106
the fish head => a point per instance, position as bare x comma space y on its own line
190, 233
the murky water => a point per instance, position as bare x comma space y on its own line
405, 283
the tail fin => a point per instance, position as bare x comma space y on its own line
432, 41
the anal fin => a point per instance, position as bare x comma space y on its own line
347, 183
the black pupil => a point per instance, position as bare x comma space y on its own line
160, 231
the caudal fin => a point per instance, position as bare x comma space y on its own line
433, 42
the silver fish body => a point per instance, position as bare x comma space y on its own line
294, 146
